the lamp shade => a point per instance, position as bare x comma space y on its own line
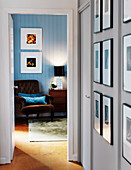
59, 70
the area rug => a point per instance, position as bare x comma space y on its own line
41, 130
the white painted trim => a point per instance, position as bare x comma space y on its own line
80, 10
83, 6
72, 75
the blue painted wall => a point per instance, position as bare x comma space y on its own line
54, 46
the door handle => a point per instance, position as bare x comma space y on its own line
88, 97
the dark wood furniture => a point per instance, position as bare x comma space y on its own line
60, 99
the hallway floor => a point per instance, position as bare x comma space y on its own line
38, 155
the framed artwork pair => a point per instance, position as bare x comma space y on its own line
31, 39
103, 15
103, 62
103, 116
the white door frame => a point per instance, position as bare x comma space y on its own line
81, 9
71, 78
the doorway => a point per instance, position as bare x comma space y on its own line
72, 135
40, 48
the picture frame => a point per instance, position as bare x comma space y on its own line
107, 14
31, 38
108, 119
98, 112
127, 63
31, 62
107, 62
126, 133
126, 11
98, 62
97, 16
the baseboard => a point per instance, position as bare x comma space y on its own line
4, 160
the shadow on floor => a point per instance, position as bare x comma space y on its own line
23, 161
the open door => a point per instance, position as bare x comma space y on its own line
12, 88
85, 88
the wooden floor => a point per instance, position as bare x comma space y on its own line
38, 155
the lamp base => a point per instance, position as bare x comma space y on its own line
60, 83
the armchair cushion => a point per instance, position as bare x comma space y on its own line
30, 95
35, 100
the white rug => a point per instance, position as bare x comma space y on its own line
39, 130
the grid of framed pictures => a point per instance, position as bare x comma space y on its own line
127, 63
127, 10
31, 39
126, 141
103, 116
103, 62
103, 15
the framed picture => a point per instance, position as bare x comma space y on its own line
98, 112
108, 62
108, 119
127, 63
126, 143
98, 62
31, 62
97, 16
107, 14
127, 10
31, 38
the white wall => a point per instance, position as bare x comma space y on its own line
105, 156
125, 96
4, 66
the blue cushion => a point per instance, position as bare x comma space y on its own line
30, 95
35, 100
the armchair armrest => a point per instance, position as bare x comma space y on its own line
20, 100
49, 98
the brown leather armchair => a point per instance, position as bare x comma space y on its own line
31, 87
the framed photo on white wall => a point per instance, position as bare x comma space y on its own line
127, 63
31, 38
31, 62
126, 144
98, 112
108, 62
97, 16
107, 14
108, 119
98, 62
127, 10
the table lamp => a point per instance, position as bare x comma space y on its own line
59, 72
